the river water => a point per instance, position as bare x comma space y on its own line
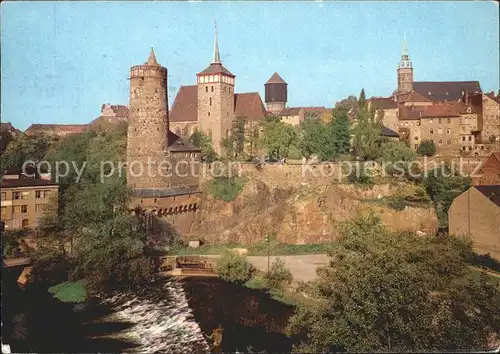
165, 316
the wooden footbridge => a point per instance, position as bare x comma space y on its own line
186, 266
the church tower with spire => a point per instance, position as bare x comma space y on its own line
216, 99
147, 138
405, 71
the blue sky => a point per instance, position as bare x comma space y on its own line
62, 60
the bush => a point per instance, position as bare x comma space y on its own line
361, 178
278, 275
234, 267
226, 188
426, 148
69, 291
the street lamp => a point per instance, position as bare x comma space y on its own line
267, 242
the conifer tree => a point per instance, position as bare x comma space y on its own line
341, 131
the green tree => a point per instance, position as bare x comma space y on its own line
367, 139
25, 148
203, 141
277, 137
397, 156
341, 132
414, 295
362, 99
443, 184
234, 267
426, 148
351, 102
278, 276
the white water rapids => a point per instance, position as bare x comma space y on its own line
162, 320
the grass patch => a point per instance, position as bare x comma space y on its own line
475, 273
69, 291
275, 249
226, 188
398, 203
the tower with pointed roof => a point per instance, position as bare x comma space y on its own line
216, 99
276, 94
147, 136
405, 71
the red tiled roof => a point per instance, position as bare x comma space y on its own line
446, 90
412, 97
185, 107
441, 110
216, 68
56, 128
449, 109
8, 127
383, 102
292, 111
275, 79
249, 105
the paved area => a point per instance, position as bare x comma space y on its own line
303, 267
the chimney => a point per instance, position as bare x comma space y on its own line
466, 98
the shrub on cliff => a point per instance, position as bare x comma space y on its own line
234, 267
278, 276
426, 148
226, 188
385, 291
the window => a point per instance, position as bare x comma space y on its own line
470, 138
416, 138
4, 195
448, 120
210, 101
431, 131
482, 147
448, 131
16, 195
206, 88
24, 208
440, 142
40, 208
38, 194
463, 148
463, 138
46, 194
212, 89
439, 121
25, 195
209, 114
470, 148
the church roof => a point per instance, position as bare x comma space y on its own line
383, 102
446, 90
290, 111
185, 107
216, 68
249, 105
276, 79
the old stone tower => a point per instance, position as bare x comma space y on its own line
216, 100
405, 71
148, 122
276, 94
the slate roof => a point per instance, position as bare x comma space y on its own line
388, 132
446, 90
178, 144
216, 68
25, 182
491, 192
185, 107
276, 79
249, 105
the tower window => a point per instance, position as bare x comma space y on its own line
211, 100
212, 89
206, 88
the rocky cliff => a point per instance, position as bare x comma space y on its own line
301, 211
